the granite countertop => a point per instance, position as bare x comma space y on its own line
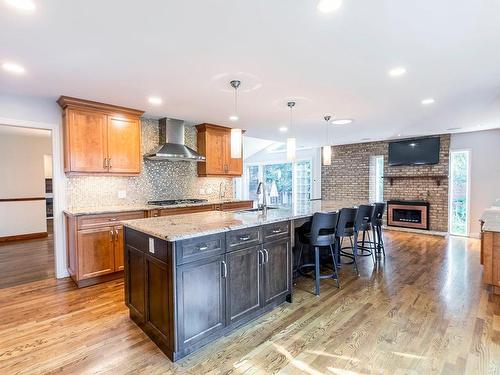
491, 219
78, 211
180, 227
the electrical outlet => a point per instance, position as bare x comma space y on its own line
202, 191
122, 194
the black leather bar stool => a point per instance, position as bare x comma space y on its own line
362, 226
376, 222
322, 235
345, 228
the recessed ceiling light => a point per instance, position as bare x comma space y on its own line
399, 135
428, 101
283, 129
28, 5
366, 139
155, 100
397, 72
328, 6
13, 68
344, 121
456, 128
234, 118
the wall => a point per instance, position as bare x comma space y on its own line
348, 178
158, 179
484, 149
22, 170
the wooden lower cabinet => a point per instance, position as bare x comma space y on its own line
490, 257
243, 292
184, 303
95, 246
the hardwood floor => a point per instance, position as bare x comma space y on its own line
26, 261
422, 311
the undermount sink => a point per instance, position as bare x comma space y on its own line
259, 209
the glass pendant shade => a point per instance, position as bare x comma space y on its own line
290, 149
327, 155
236, 140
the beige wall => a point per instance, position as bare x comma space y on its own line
22, 176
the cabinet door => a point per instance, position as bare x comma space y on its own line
277, 270
124, 145
242, 283
119, 251
215, 152
200, 299
86, 142
134, 281
234, 167
158, 316
96, 255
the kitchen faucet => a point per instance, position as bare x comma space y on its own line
261, 189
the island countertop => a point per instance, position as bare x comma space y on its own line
491, 219
180, 227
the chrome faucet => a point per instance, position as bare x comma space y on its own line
261, 189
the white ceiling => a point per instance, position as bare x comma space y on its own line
187, 51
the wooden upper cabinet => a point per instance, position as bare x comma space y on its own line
124, 145
100, 138
214, 142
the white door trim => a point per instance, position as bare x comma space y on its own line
58, 185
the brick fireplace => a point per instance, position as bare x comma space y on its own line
408, 214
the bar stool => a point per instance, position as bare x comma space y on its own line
362, 225
345, 228
376, 222
322, 235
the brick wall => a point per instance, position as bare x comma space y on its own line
348, 178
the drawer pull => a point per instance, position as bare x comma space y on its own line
244, 238
276, 231
266, 258
202, 248
224, 269
113, 219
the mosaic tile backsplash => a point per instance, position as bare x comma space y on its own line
158, 179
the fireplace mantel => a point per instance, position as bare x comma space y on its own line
437, 178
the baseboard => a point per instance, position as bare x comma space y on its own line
23, 237
417, 231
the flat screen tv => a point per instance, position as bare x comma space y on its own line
419, 151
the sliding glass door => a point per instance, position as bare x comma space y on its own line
459, 192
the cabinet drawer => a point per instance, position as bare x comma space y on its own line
140, 241
276, 230
234, 206
199, 248
92, 221
185, 210
241, 238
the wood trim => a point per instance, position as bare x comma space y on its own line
422, 209
22, 199
23, 237
67, 101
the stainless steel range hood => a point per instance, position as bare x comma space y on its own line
172, 143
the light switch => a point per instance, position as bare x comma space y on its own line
122, 194
151, 245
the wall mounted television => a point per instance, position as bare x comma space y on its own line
418, 151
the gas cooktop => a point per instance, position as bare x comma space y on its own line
172, 202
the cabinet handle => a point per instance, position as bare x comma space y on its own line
112, 235
244, 238
261, 257
105, 162
224, 269
202, 248
109, 163
113, 219
116, 234
266, 256
276, 231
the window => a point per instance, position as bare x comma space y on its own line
459, 192
376, 178
286, 183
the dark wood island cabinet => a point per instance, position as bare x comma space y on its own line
185, 294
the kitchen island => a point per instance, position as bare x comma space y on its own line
490, 247
192, 278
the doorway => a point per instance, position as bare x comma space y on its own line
26, 206
459, 192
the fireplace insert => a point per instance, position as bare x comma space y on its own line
408, 214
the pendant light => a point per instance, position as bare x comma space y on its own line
236, 134
291, 141
327, 149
